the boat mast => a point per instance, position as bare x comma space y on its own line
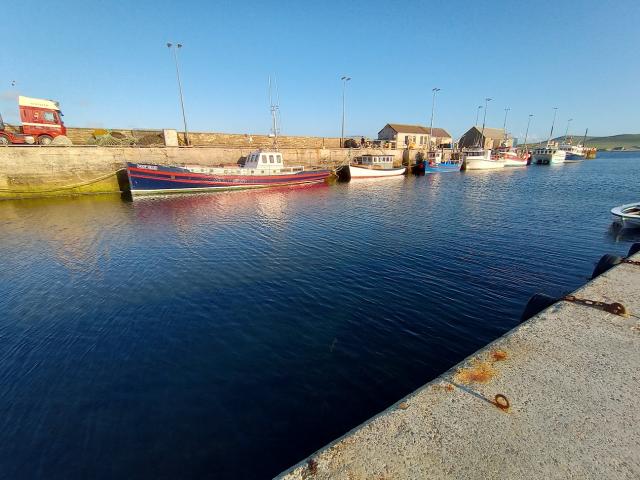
484, 119
274, 117
584, 139
433, 105
504, 126
555, 111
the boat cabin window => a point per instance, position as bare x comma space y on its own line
271, 159
264, 159
278, 158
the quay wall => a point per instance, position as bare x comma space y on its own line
33, 171
85, 136
556, 397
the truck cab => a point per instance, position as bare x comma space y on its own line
41, 122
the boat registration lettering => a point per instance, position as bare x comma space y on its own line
148, 167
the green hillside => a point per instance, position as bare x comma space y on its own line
627, 141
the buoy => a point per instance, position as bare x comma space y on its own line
536, 304
633, 249
605, 263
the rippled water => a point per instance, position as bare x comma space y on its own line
230, 335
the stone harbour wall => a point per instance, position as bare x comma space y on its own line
36, 171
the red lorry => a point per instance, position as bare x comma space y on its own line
41, 123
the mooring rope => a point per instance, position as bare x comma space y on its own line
65, 187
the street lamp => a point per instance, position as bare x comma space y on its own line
175, 48
484, 118
526, 134
478, 114
344, 79
567, 130
555, 111
433, 104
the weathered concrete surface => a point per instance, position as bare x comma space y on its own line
571, 376
52, 171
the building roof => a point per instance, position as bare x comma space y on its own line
493, 133
402, 128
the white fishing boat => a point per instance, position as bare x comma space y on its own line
372, 165
479, 159
551, 154
627, 215
573, 152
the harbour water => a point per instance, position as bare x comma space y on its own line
230, 335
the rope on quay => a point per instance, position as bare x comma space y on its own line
65, 187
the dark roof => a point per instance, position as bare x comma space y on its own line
401, 128
493, 133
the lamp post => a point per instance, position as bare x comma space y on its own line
526, 133
484, 118
566, 132
553, 123
478, 114
175, 48
344, 79
433, 105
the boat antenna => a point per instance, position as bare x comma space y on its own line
555, 111
274, 117
484, 119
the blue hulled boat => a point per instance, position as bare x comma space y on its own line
261, 169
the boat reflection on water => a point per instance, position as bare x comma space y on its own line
620, 233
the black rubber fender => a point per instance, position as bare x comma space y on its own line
605, 263
633, 249
536, 304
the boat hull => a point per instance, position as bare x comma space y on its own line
627, 215
482, 164
149, 179
549, 158
442, 167
513, 162
363, 172
575, 156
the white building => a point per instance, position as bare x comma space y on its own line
414, 136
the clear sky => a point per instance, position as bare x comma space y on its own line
108, 65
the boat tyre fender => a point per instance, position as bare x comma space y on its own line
536, 304
605, 263
633, 249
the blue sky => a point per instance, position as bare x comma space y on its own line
107, 63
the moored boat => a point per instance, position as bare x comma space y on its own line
479, 159
373, 165
511, 158
261, 169
548, 155
573, 152
627, 215
434, 164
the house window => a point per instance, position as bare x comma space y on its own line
406, 139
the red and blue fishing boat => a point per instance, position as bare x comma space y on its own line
261, 169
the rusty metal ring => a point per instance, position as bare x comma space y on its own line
501, 401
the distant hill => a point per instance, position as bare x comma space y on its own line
627, 141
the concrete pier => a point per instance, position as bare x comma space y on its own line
556, 397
